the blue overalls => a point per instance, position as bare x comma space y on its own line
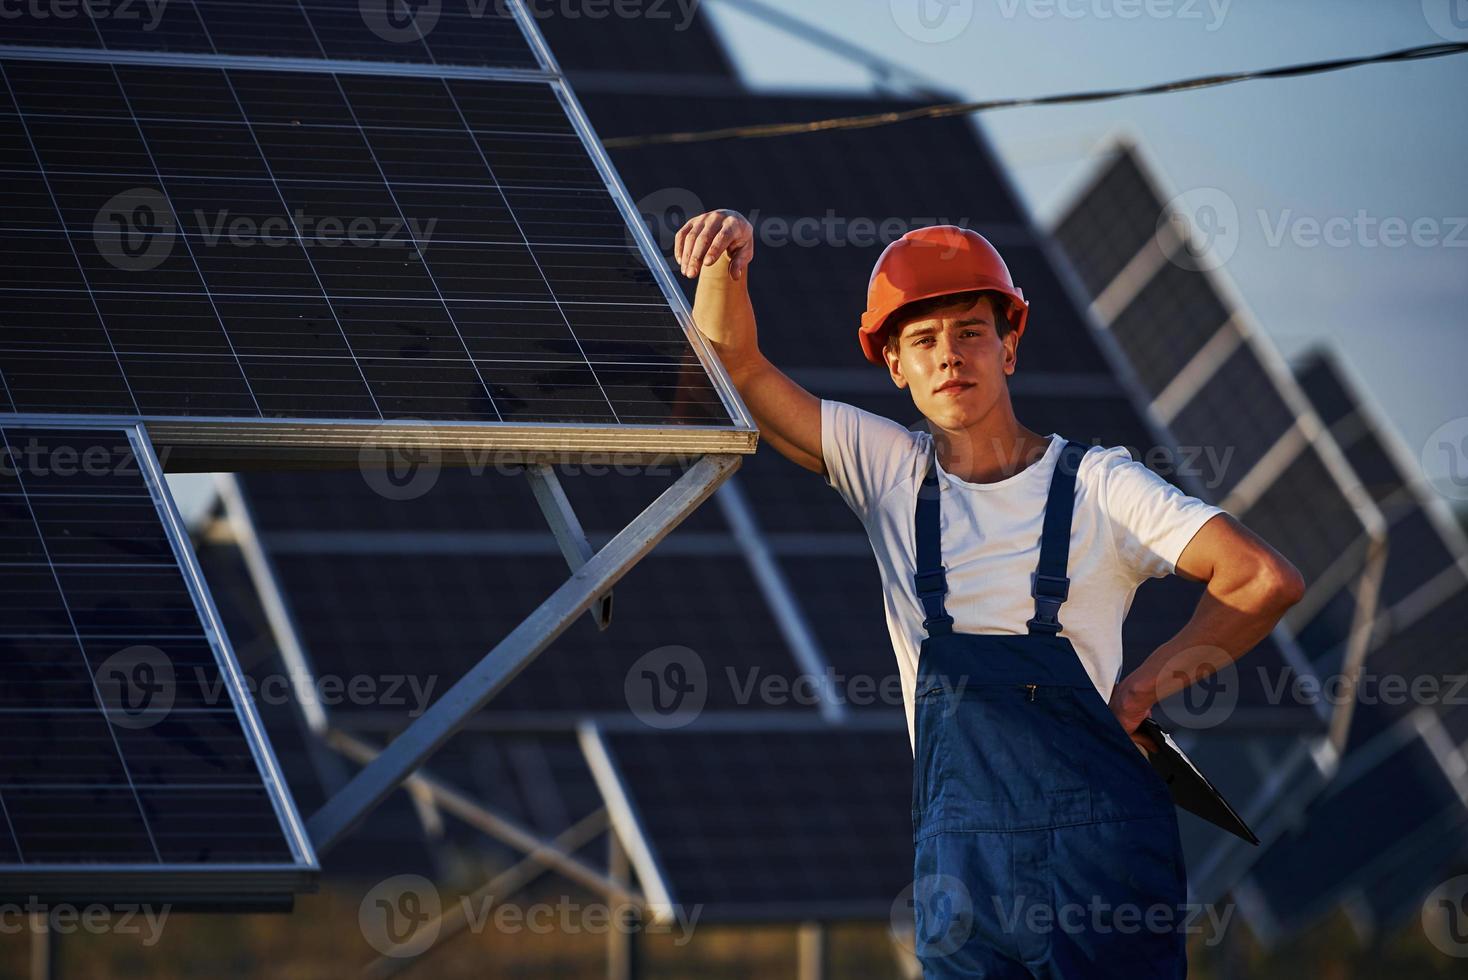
1046, 846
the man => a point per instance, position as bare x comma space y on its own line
1045, 844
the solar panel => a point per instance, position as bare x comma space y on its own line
229, 248
1167, 323
1108, 226
484, 34
768, 824
1361, 828
1239, 412
1306, 516
134, 763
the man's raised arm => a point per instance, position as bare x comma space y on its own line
717, 247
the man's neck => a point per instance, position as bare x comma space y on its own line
987, 452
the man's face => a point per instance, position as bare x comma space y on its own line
954, 363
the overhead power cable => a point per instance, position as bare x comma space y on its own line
946, 109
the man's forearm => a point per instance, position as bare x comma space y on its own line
1230, 619
725, 316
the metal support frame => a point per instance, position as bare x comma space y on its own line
524, 643
623, 952
480, 817
454, 920
556, 507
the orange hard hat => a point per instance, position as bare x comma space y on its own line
929, 262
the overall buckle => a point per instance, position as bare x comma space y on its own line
933, 582
1049, 592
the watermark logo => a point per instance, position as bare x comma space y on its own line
1204, 703
135, 687
932, 21
400, 21
667, 687
1447, 18
1444, 459
1204, 222
399, 917
395, 471
1445, 917
934, 916
134, 229
666, 210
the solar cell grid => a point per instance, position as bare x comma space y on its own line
124, 739
1109, 223
324, 246
782, 836
1306, 516
479, 32
1167, 323
1238, 413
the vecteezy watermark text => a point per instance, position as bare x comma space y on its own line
401, 916
96, 918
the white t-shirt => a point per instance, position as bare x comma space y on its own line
1129, 525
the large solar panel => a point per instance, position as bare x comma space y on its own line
1117, 220
813, 824
266, 263
484, 34
1363, 827
1214, 382
134, 763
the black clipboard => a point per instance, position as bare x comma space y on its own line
1190, 789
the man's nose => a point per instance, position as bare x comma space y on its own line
948, 355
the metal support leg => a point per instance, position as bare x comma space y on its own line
811, 944
563, 523
455, 918
43, 947
524, 643
622, 946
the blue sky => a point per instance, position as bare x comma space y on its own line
1362, 145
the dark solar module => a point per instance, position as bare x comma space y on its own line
373, 30
1238, 414
125, 741
266, 245
1109, 223
843, 600
772, 824
1350, 833
1305, 515
1329, 394
1167, 322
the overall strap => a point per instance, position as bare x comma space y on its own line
929, 579
1051, 585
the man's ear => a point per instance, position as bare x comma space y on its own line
1011, 351
894, 365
